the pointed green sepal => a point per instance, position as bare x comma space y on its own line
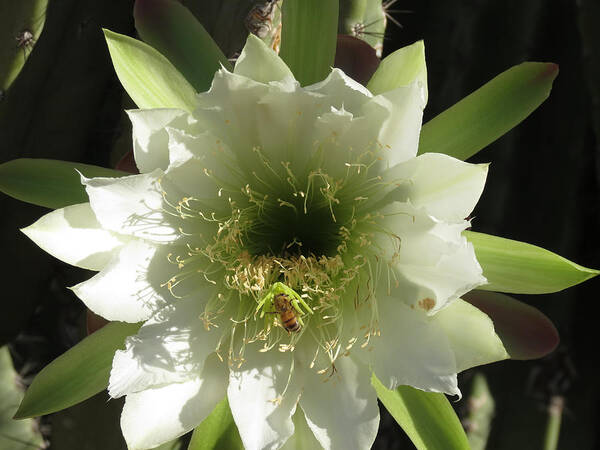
518, 267
148, 77
401, 68
77, 374
426, 417
48, 182
217, 431
308, 38
172, 29
483, 116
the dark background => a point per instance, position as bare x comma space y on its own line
542, 188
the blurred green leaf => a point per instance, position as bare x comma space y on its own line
14, 435
489, 112
400, 68
217, 431
21, 23
426, 417
148, 77
77, 374
303, 437
308, 39
518, 267
172, 29
481, 407
48, 182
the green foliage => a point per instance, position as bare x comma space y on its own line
48, 182
217, 431
518, 267
172, 29
309, 36
77, 374
21, 23
481, 412
14, 435
486, 114
427, 417
148, 77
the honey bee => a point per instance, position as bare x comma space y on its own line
283, 300
260, 18
287, 313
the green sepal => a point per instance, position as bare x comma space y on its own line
172, 29
148, 77
525, 331
217, 431
518, 267
426, 417
483, 116
77, 374
49, 182
400, 68
308, 38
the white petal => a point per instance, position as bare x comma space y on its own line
341, 410
132, 205
303, 437
471, 335
433, 262
263, 418
400, 133
73, 235
446, 187
454, 275
229, 111
343, 138
170, 347
259, 62
342, 91
412, 350
196, 161
125, 289
150, 138
155, 416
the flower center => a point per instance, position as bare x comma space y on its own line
316, 240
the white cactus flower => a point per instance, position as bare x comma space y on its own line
317, 188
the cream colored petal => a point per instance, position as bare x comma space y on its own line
125, 289
263, 398
155, 416
133, 206
73, 235
171, 347
341, 409
150, 138
446, 187
412, 350
471, 335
